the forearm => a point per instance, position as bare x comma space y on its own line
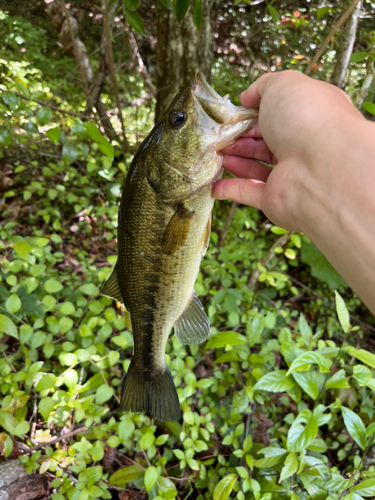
337, 209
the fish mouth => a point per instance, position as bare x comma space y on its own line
217, 115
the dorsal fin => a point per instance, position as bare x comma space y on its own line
177, 230
111, 287
193, 326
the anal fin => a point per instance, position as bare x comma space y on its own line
111, 287
193, 326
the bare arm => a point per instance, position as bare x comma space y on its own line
323, 183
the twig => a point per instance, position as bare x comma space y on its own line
280, 242
335, 28
228, 222
9, 362
57, 439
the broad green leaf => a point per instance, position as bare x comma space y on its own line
198, 14
276, 381
106, 147
278, 230
7, 326
5, 136
68, 359
366, 357
307, 358
304, 329
7, 421
369, 106
23, 249
132, 4
135, 21
338, 381
21, 429
358, 56
12, 100
362, 374
224, 488
70, 378
355, 426
69, 152
53, 134
302, 431
44, 115
167, 4
320, 12
30, 127
103, 394
151, 476
365, 489
46, 382
342, 313
320, 267
67, 308
93, 131
147, 440
308, 382
272, 456
45, 406
13, 303
125, 475
224, 338
290, 466
89, 289
126, 428
53, 286
181, 8
274, 14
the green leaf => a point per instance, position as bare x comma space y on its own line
132, 4
181, 9
362, 374
13, 101
151, 476
272, 456
45, 406
89, 289
7, 326
125, 475
338, 381
366, 357
106, 147
103, 394
135, 21
302, 431
274, 14
320, 12
21, 429
224, 488
224, 338
7, 421
53, 134
307, 358
167, 4
365, 489
22, 249
69, 152
278, 230
342, 313
355, 426
304, 329
276, 381
53, 286
70, 378
13, 303
147, 440
320, 267
290, 466
198, 14
5, 136
369, 106
93, 131
30, 127
44, 115
358, 56
46, 382
68, 359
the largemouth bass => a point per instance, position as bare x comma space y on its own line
163, 232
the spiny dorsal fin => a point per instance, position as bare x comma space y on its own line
206, 235
112, 288
193, 326
177, 230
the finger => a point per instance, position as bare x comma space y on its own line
246, 168
244, 191
251, 148
254, 132
251, 97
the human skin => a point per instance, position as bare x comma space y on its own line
323, 182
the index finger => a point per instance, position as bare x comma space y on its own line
251, 97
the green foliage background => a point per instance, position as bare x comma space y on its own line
277, 404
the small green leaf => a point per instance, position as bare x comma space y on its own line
290, 466
23, 249
13, 303
5, 136
224, 488
338, 381
125, 475
106, 147
69, 152
307, 358
147, 440
132, 4
342, 313
369, 106
21, 429
358, 56
103, 394
53, 134
320, 12
302, 431
224, 338
362, 374
275, 381
198, 14
181, 9
151, 476
7, 326
274, 14
135, 21
53, 286
365, 489
44, 115
46, 382
45, 406
355, 426
167, 4
89, 289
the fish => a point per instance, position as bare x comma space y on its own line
164, 227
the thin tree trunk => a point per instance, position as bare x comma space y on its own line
366, 82
181, 52
346, 47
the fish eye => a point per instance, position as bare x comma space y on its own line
177, 118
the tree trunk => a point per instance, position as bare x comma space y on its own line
16, 484
346, 47
366, 82
181, 52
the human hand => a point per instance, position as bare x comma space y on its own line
298, 117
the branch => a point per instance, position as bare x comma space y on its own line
280, 242
335, 28
57, 439
227, 223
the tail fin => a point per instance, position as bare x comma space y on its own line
157, 397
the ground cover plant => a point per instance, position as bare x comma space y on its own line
278, 403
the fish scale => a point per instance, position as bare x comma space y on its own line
163, 232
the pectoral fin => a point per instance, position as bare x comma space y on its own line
112, 287
177, 230
193, 326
